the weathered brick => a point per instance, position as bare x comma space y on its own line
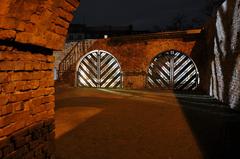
21, 85
7, 66
43, 92
46, 83
20, 76
6, 109
61, 22
7, 34
64, 14
49, 106
5, 7
24, 37
14, 122
4, 77
27, 105
4, 99
36, 101
51, 113
12, 56
27, 27
51, 59
6, 120
59, 30
26, 56
48, 99
8, 87
20, 96
33, 84
7, 23
34, 109
75, 3
40, 57
69, 7
38, 93
15, 76
40, 40
37, 75
19, 106
55, 41
35, 138
47, 66
40, 116
36, 66
20, 72
28, 66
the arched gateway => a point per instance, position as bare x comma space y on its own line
99, 69
172, 70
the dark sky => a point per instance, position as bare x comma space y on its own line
142, 14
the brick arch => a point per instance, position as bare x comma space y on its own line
29, 32
186, 56
37, 22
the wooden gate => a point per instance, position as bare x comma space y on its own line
173, 70
99, 69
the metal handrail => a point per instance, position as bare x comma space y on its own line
73, 56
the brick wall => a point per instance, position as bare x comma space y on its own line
26, 104
38, 22
29, 32
223, 40
135, 53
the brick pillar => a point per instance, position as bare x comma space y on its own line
26, 103
29, 32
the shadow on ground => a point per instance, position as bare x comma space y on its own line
216, 129
143, 125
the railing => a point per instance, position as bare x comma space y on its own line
79, 49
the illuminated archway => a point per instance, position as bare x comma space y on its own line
99, 69
172, 70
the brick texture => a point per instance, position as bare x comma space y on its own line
134, 55
223, 67
29, 31
37, 22
26, 104
34, 141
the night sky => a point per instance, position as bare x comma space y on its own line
141, 14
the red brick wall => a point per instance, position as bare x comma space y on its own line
26, 102
38, 22
29, 32
135, 54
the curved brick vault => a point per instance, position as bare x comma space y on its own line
38, 22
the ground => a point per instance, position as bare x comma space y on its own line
143, 124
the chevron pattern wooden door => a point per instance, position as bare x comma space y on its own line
99, 69
173, 70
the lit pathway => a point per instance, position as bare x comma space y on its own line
121, 124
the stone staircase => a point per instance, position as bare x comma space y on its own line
75, 51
